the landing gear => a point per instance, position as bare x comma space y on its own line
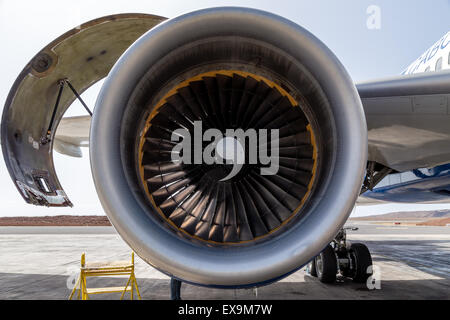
351, 260
361, 257
326, 265
311, 268
175, 289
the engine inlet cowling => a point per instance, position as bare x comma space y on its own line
228, 147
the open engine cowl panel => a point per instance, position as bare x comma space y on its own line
83, 55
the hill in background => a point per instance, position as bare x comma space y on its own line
431, 218
404, 216
419, 218
55, 221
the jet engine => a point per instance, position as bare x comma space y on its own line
286, 183
228, 68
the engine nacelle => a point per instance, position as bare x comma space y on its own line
228, 68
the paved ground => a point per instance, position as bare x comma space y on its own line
40, 262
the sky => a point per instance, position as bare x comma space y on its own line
368, 49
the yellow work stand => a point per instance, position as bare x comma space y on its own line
101, 269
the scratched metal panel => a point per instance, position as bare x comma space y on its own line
83, 55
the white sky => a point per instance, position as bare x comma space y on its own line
27, 26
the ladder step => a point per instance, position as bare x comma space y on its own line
107, 265
107, 290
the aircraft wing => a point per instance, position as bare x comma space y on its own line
71, 135
408, 120
407, 116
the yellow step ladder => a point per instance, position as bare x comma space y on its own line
101, 269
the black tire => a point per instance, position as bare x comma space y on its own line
326, 265
363, 260
312, 267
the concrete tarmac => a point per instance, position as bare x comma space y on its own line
42, 263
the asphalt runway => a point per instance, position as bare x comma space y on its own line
42, 263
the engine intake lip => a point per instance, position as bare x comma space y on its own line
343, 142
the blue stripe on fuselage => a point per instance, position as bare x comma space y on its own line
423, 185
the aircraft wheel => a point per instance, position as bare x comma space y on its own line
362, 260
326, 265
312, 267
